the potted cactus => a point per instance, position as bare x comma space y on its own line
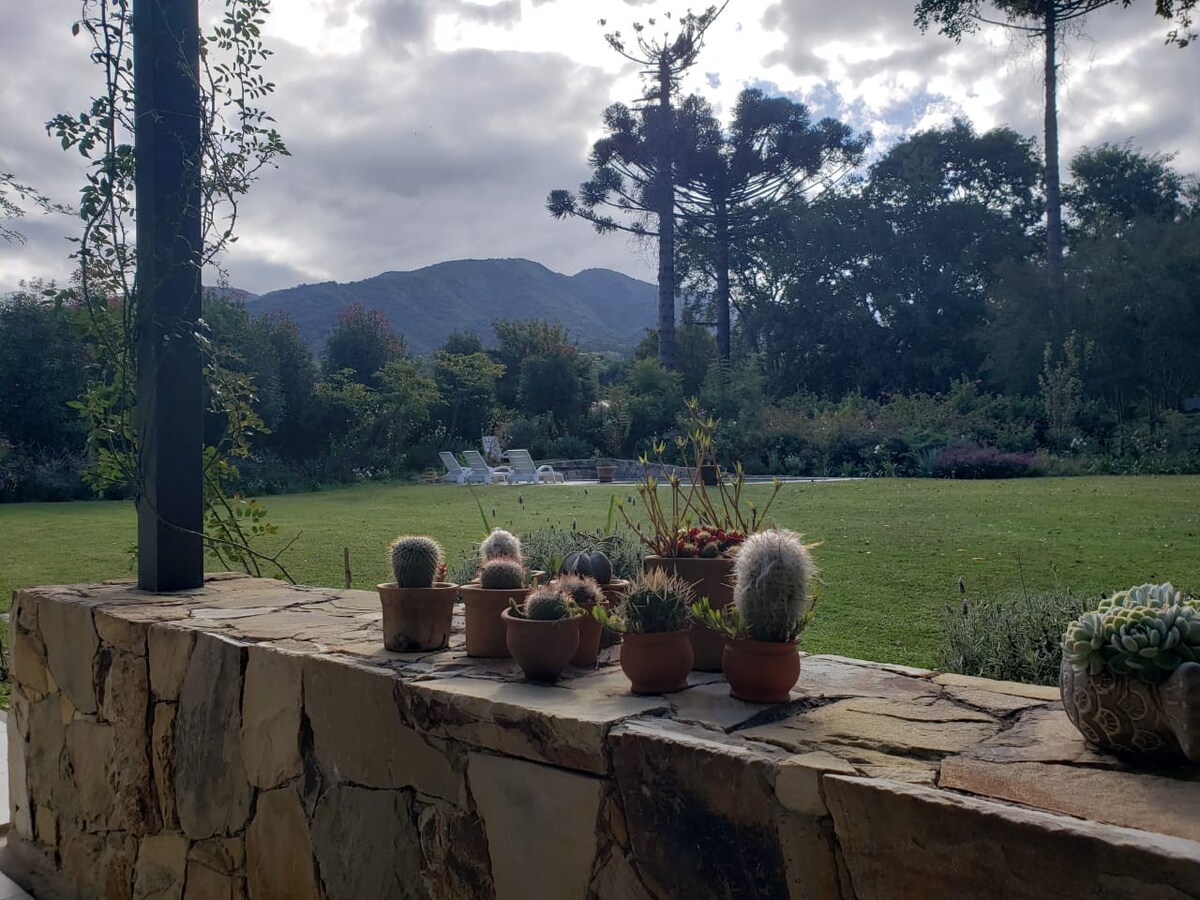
694, 530
502, 578
1130, 675
542, 634
418, 606
654, 616
586, 594
772, 604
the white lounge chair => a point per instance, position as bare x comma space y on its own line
455, 474
482, 473
526, 471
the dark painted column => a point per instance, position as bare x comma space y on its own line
170, 381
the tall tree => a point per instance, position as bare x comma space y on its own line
362, 340
633, 168
771, 153
1043, 20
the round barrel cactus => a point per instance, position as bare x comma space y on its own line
547, 604
415, 561
500, 544
502, 574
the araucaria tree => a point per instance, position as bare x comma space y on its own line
730, 180
634, 165
1044, 20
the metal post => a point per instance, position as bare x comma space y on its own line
169, 249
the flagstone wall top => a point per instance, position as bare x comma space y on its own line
253, 739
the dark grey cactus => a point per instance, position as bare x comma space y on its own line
502, 575
773, 574
415, 561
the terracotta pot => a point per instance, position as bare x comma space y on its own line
613, 592
541, 648
711, 578
605, 474
761, 671
417, 618
485, 628
657, 663
1126, 715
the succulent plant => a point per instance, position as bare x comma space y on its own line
657, 602
583, 592
772, 575
502, 574
500, 544
415, 561
590, 563
547, 604
1147, 640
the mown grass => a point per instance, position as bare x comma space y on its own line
891, 555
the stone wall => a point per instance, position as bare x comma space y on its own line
254, 740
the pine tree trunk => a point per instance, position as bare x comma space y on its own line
666, 223
1054, 228
722, 297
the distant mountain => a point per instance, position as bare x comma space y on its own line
601, 308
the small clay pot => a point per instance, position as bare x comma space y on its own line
1125, 715
417, 618
485, 628
613, 592
542, 648
657, 663
589, 639
605, 474
711, 578
761, 671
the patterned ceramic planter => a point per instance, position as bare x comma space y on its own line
1126, 715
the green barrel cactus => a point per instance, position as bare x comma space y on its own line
583, 592
502, 574
547, 604
773, 574
416, 561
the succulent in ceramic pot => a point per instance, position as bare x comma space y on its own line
654, 616
417, 608
542, 634
502, 580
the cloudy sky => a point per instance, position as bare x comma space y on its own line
426, 130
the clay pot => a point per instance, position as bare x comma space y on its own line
710, 475
417, 618
1126, 715
613, 592
657, 663
761, 671
485, 628
711, 578
541, 648
605, 474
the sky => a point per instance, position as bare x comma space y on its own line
428, 130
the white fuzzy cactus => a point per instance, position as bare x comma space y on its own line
500, 544
773, 574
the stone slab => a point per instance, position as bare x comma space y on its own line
898, 840
1134, 800
535, 812
1044, 693
554, 725
169, 649
1043, 734
69, 634
160, 868
798, 781
360, 734
271, 706
830, 677
279, 863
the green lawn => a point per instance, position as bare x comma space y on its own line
892, 553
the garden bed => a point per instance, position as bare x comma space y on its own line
255, 739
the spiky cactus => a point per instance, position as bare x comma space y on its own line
583, 592
547, 604
500, 544
415, 561
772, 577
656, 603
502, 575
1148, 642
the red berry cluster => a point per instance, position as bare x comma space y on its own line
706, 542
441, 572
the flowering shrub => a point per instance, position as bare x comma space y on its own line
706, 542
970, 461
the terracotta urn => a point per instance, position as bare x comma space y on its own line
711, 578
417, 618
605, 474
485, 627
542, 648
1127, 715
657, 663
761, 671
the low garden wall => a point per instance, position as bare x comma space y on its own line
254, 740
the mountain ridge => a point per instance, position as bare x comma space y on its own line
601, 308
